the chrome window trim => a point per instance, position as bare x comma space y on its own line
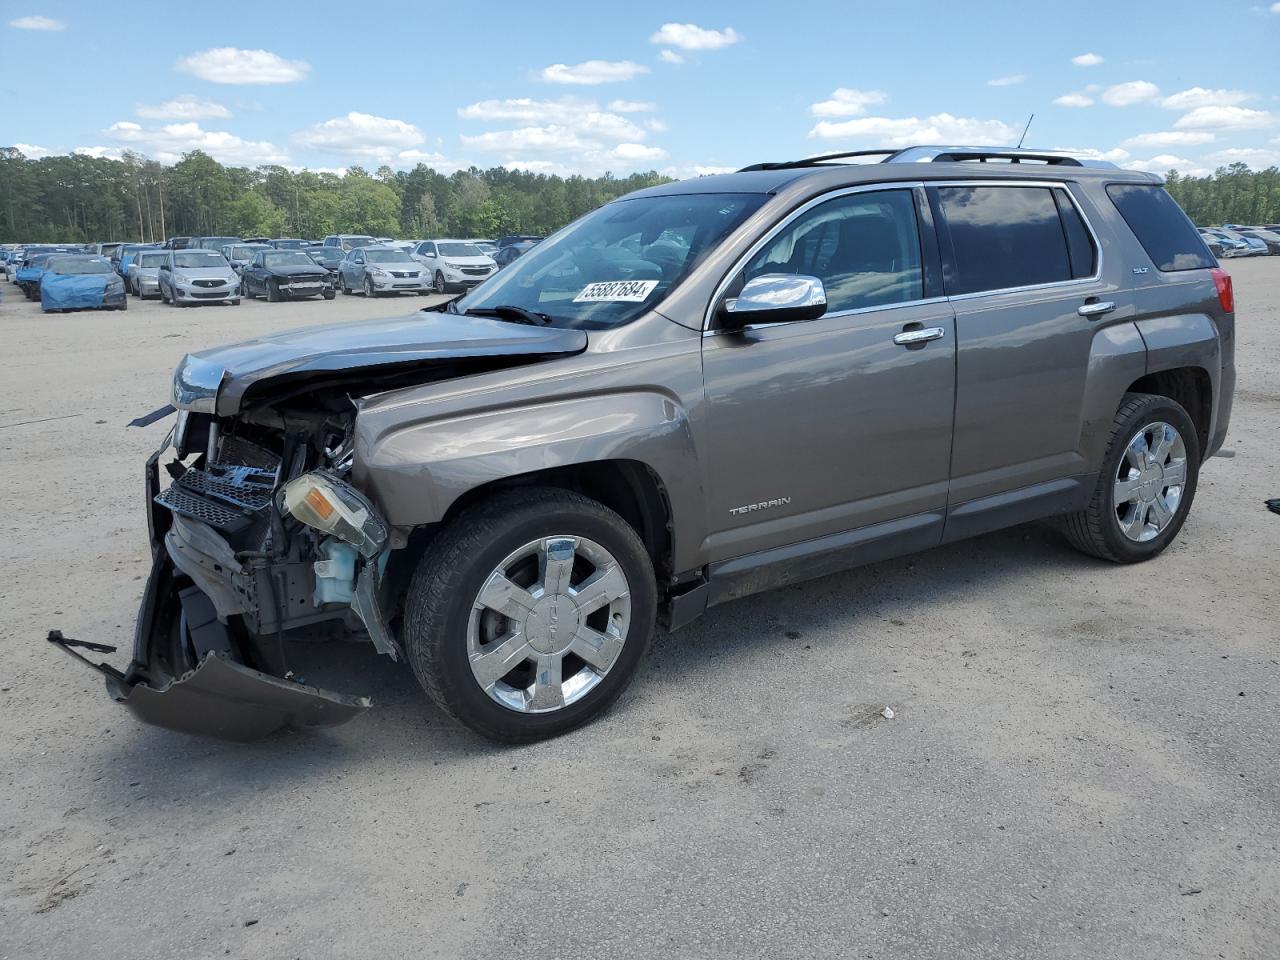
1093, 235
808, 205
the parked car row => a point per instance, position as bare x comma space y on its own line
1234, 240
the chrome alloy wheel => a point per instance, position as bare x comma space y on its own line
548, 624
1150, 481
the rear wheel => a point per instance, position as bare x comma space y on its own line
530, 613
1146, 485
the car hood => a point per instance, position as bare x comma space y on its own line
297, 270
372, 355
395, 265
470, 261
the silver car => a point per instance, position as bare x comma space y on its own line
143, 273
378, 269
197, 276
239, 254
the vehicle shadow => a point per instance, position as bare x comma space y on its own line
405, 731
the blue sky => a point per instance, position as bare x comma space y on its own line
682, 88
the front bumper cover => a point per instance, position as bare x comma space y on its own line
219, 697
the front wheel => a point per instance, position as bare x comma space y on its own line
329, 294
530, 613
273, 292
440, 285
368, 289
1146, 485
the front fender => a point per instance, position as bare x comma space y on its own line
416, 472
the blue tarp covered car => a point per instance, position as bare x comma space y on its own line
80, 283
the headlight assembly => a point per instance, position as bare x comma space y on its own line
333, 507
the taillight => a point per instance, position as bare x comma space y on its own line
1226, 295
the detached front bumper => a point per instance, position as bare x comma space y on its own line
219, 697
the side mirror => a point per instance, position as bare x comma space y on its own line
775, 298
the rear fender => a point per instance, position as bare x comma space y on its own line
416, 472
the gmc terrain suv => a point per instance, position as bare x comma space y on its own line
691, 394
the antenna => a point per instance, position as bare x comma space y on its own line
1024, 130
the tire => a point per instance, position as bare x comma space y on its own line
439, 284
124, 304
329, 294
342, 282
442, 617
368, 289
1100, 529
273, 292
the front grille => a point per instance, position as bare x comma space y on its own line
224, 495
476, 271
198, 508
237, 452
208, 283
306, 281
404, 273
212, 295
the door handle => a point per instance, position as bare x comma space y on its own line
908, 338
1096, 309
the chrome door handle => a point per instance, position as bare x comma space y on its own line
909, 338
1096, 309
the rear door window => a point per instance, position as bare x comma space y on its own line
1170, 239
1002, 237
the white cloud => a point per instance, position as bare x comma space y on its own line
37, 23
550, 139
846, 102
1127, 94
1074, 100
657, 126
689, 36
185, 107
632, 106
1225, 118
362, 136
706, 171
1255, 157
111, 153
581, 116
31, 151
670, 56
1165, 162
592, 72
634, 152
1170, 138
1087, 60
1275, 8
1010, 81
168, 143
1200, 97
905, 131
232, 65
1117, 155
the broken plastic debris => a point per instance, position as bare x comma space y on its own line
887, 713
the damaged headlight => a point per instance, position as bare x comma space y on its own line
335, 508
196, 383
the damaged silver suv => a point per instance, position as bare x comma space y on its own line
694, 393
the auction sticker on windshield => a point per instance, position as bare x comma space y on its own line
616, 291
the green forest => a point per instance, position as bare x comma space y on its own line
85, 199
80, 199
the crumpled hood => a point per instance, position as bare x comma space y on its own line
297, 270
391, 344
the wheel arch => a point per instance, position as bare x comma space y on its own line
1191, 387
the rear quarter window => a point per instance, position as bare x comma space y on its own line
1170, 239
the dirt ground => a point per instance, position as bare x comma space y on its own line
1082, 763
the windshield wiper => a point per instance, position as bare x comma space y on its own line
508, 311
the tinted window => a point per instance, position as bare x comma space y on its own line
1080, 248
1002, 237
864, 247
1160, 226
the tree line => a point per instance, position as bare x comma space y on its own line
79, 198
1233, 194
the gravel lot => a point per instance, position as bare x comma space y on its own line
1082, 763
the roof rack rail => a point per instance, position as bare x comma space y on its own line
816, 161
941, 154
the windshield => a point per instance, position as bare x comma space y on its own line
460, 250
287, 258
615, 263
73, 265
290, 244
350, 243
216, 243
386, 256
150, 259
246, 252
198, 258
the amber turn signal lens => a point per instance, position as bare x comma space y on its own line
318, 502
